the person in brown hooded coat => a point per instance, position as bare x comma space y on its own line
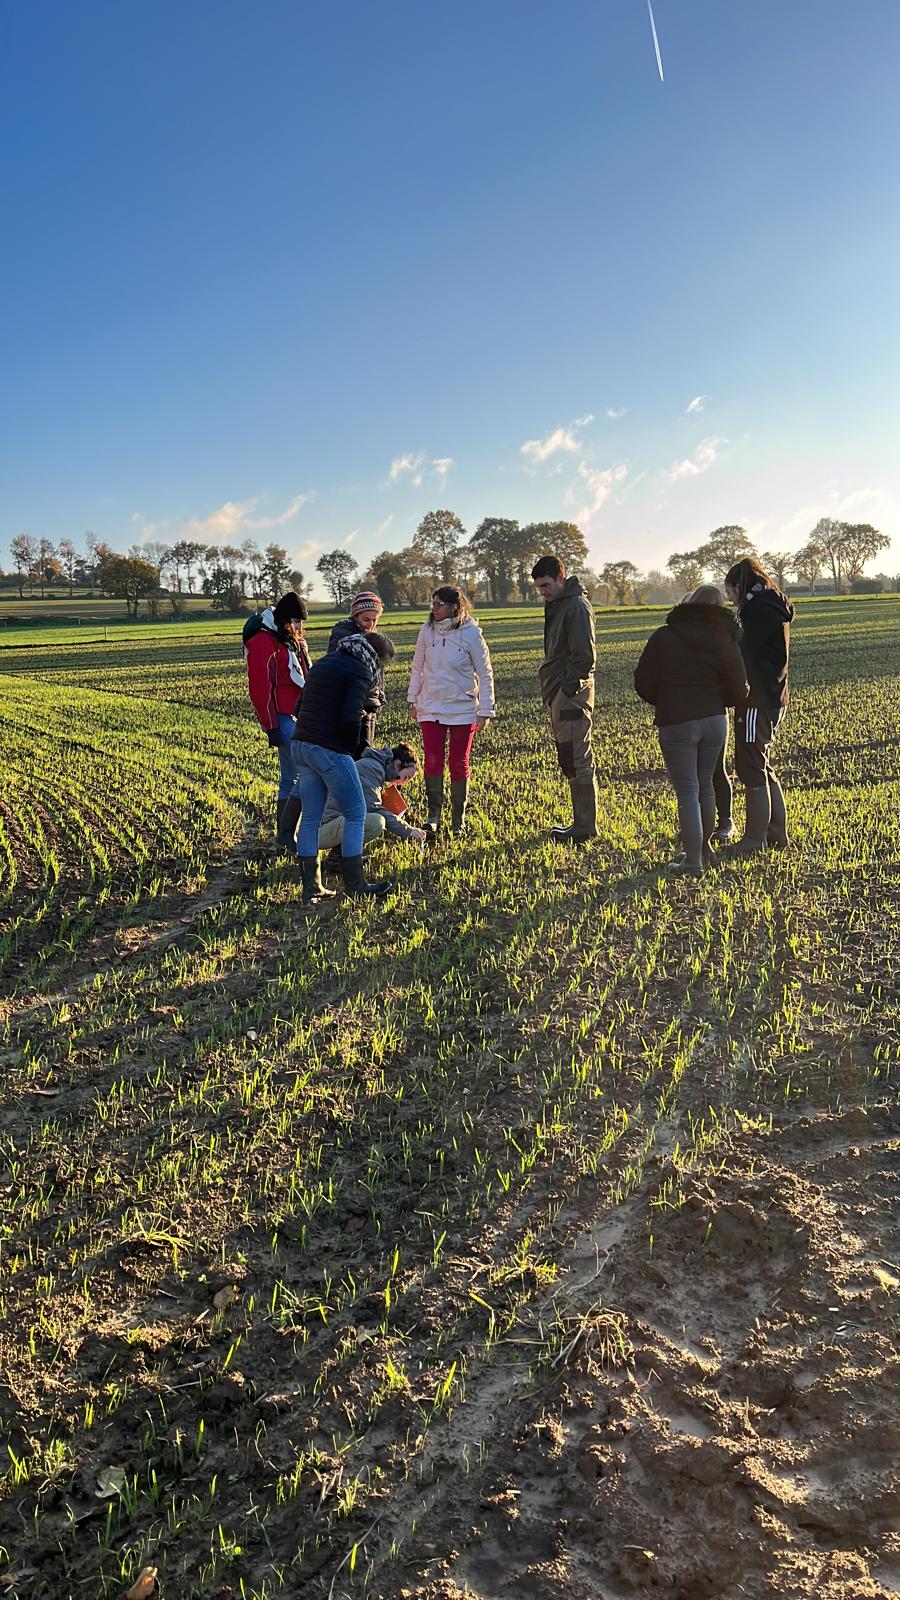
691, 669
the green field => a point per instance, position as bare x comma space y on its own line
332, 1232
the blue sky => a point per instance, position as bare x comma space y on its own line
304, 272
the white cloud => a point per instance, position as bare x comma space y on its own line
383, 526
408, 465
413, 468
227, 523
697, 404
703, 458
869, 504
614, 412
592, 488
562, 440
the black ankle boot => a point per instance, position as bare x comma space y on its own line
355, 881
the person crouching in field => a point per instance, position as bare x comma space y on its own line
765, 616
365, 610
690, 670
381, 774
567, 689
277, 667
325, 743
451, 696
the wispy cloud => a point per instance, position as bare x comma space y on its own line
383, 526
412, 468
704, 457
697, 404
225, 524
868, 504
592, 488
408, 466
614, 412
562, 441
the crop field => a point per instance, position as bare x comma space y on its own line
533, 1233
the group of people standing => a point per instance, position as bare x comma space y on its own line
336, 783
338, 788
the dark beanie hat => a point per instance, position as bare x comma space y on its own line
290, 608
381, 644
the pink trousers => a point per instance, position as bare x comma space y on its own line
434, 740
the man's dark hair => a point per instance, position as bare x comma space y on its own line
405, 755
381, 644
548, 567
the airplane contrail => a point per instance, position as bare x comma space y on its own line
655, 43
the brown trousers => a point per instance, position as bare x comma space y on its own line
570, 723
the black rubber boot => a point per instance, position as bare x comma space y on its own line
434, 789
312, 881
288, 813
777, 836
756, 826
584, 814
459, 798
562, 834
355, 881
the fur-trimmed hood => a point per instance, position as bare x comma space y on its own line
358, 645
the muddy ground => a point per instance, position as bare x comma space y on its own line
724, 1418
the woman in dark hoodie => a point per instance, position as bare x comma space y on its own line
690, 671
765, 616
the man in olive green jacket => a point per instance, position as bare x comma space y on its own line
567, 689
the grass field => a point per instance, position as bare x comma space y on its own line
531, 1234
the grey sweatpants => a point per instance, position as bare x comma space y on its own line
691, 751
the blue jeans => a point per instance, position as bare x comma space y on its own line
287, 769
322, 774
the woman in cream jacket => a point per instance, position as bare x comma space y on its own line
451, 695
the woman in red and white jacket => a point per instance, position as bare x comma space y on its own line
277, 667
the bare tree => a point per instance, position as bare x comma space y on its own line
828, 535
24, 554
159, 556
779, 563
68, 560
808, 563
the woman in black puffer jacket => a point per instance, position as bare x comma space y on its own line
690, 671
325, 746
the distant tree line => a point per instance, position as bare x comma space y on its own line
230, 576
493, 565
